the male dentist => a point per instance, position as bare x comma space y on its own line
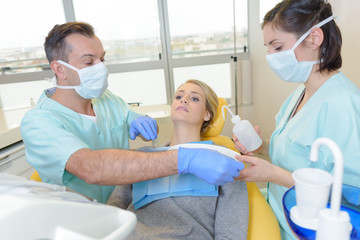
78, 133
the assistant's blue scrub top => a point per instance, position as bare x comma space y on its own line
52, 133
332, 112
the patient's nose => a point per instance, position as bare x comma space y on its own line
185, 99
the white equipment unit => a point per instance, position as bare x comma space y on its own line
35, 210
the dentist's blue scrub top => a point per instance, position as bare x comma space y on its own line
332, 112
52, 133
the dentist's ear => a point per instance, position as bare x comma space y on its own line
58, 69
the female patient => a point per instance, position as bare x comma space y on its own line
197, 216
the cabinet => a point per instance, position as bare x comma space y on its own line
13, 161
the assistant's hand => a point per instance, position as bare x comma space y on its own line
144, 125
208, 165
241, 148
258, 170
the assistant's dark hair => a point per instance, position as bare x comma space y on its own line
55, 44
298, 16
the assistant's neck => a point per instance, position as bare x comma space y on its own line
315, 81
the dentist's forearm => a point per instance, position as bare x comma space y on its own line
116, 166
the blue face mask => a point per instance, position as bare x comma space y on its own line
285, 64
93, 80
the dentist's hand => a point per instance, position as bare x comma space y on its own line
208, 165
144, 125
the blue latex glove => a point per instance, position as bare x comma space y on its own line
144, 125
208, 165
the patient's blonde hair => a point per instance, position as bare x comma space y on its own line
212, 102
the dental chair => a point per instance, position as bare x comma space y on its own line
35, 176
263, 224
262, 221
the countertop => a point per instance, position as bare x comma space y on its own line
10, 120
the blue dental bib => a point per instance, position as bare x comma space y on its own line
146, 192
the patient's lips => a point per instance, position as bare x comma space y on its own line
182, 108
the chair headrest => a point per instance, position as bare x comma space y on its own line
218, 123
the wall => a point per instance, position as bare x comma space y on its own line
348, 11
268, 91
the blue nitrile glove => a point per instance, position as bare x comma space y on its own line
145, 126
208, 165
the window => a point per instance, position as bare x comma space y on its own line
206, 27
34, 19
130, 33
217, 76
151, 46
13, 105
204, 40
129, 30
148, 86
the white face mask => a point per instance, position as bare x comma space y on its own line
285, 64
93, 80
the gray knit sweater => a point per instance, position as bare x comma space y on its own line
222, 217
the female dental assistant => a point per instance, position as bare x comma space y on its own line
304, 46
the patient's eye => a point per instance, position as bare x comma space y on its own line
195, 99
178, 97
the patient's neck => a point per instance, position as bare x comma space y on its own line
185, 133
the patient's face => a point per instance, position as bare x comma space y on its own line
189, 105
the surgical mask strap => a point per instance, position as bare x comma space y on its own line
68, 65
323, 22
71, 67
53, 81
65, 87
